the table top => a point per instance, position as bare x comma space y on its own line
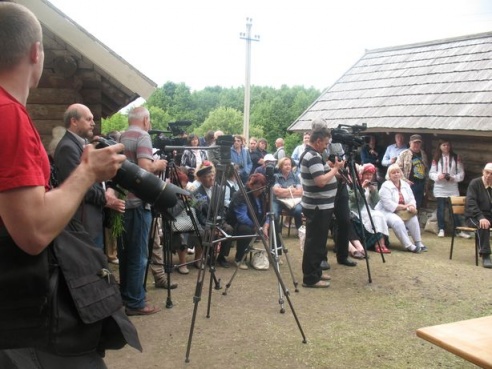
470, 339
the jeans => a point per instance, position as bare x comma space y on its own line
29, 358
418, 192
442, 204
133, 253
295, 212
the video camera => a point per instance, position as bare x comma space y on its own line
175, 129
146, 186
349, 135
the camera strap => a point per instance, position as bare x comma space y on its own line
306, 150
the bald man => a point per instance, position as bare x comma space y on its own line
79, 122
133, 250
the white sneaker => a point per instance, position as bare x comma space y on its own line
464, 235
441, 233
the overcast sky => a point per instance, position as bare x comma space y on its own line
309, 42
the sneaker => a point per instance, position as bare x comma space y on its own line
464, 235
183, 269
441, 233
413, 248
423, 248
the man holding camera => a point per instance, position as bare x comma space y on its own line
319, 190
133, 248
31, 213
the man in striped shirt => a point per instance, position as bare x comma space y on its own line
320, 188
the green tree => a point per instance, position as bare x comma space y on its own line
116, 122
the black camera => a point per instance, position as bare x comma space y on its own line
333, 157
161, 142
447, 176
349, 135
270, 173
146, 186
177, 127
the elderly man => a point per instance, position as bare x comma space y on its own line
319, 191
133, 249
394, 150
280, 152
79, 122
478, 211
414, 164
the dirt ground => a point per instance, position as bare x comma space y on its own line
352, 324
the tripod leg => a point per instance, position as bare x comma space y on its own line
243, 260
285, 252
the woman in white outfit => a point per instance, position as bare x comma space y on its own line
446, 172
396, 195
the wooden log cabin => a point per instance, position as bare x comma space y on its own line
438, 89
79, 68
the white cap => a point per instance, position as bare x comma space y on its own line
488, 167
269, 157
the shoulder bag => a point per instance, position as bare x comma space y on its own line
290, 202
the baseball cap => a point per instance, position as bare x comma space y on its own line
269, 157
415, 138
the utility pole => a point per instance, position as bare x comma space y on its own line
247, 98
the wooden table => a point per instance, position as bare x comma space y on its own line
469, 339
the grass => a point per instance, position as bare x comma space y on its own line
352, 324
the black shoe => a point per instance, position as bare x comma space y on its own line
347, 262
223, 262
324, 265
486, 261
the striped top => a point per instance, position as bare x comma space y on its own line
312, 166
137, 145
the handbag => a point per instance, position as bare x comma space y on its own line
405, 215
259, 260
183, 222
290, 202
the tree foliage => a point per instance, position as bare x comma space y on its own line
272, 110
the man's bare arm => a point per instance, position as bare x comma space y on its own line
34, 217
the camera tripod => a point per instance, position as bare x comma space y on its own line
211, 231
353, 179
165, 221
275, 247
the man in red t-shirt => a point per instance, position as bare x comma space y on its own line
32, 215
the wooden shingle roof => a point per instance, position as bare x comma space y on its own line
431, 87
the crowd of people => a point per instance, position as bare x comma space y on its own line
255, 190
311, 187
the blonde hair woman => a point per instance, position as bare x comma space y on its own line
396, 196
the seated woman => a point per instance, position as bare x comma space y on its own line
397, 196
375, 237
287, 185
242, 220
